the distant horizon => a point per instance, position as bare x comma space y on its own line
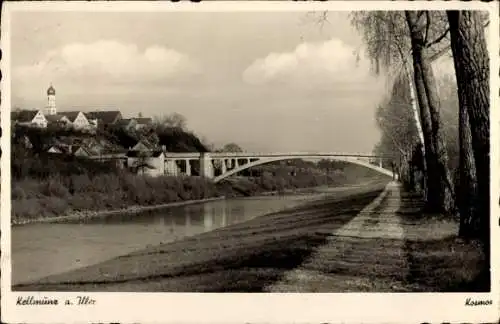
274, 81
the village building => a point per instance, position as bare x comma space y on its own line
103, 118
80, 151
150, 163
34, 118
77, 119
127, 123
68, 148
58, 149
143, 122
23, 140
143, 146
58, 120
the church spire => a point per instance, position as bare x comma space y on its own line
51, 101
51, 91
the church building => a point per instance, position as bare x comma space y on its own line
51, 101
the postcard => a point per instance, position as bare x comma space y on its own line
250, 162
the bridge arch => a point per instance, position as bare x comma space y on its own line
266, 160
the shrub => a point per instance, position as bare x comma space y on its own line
53, 187
54, 206
18, 193
80, 202
25, 209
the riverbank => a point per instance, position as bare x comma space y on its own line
137, 209
83, 196
87, 215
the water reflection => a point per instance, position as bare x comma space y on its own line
39, 250
193, 219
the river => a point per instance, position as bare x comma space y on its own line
39, 250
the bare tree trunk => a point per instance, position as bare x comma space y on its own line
414, 105
439, 189
471, 60
467, 195
413, 102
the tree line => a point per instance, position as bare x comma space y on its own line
404, 45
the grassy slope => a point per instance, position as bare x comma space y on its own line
438, 259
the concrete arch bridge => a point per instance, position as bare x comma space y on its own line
228, 163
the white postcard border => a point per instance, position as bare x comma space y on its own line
250, 307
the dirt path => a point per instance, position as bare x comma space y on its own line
366, 254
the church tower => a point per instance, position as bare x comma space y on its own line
51, 101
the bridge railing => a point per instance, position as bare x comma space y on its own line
216, 155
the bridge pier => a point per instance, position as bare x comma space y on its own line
223, 166
206, 167
188, 167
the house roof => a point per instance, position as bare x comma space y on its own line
60, 148
144, 121
107, 117
126, 121
146, 143
54, 118
146, 154
71, 115
23, 115
75, 148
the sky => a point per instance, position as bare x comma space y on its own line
269, 81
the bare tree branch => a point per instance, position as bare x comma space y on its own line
427, 25
439, 39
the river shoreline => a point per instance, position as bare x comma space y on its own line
136, 209
90, 214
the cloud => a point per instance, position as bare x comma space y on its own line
326, 62
109, 61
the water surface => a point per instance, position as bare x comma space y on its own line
39, 250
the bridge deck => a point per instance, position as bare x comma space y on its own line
247, 155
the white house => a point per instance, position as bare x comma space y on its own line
30, 118
77, 119
150, 163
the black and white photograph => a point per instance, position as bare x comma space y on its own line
269, 150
